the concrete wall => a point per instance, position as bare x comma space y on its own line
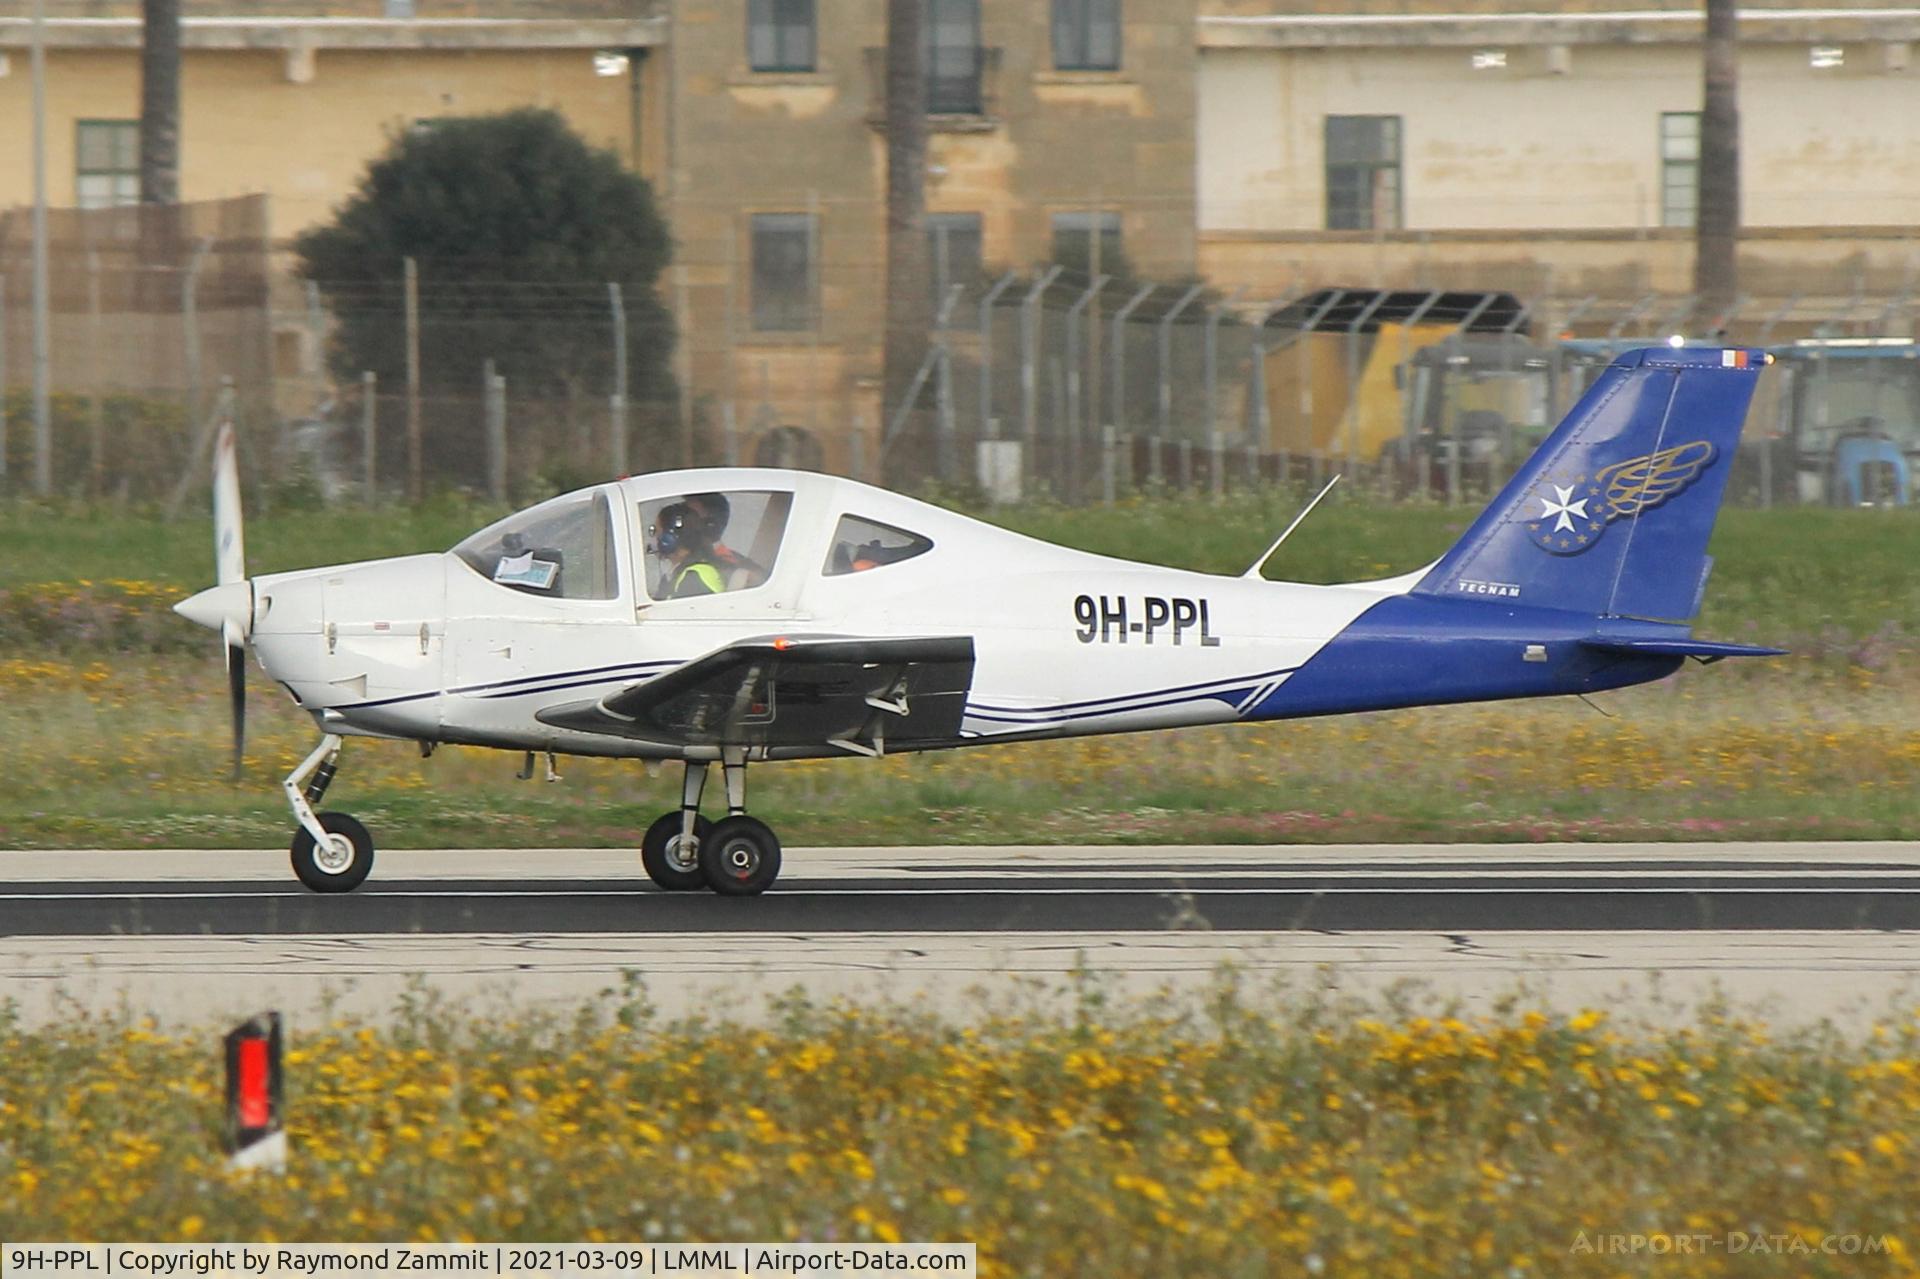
246, 128
1526, 148
746, 142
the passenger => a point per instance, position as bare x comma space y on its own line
686, 545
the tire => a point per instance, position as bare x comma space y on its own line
328, 873
661, 844
740, 857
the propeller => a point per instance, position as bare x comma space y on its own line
228, 606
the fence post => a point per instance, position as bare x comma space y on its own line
1106, 465
190, 320
946, 429
41, 290
369, 392
411, 286
1080, 304
1156, 473
3, 376
1117, 387
1211, 348
1030, 356
496, 418
96, 411
1186, 465
1166, 356
986, 349
222, 412
617, 403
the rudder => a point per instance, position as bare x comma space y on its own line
1611, 515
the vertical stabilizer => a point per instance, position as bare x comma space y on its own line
1611, 515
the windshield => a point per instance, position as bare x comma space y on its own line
562, 549
1860, 396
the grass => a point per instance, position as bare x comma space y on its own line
140, 759
1244, 1132
1792, 572
126, 702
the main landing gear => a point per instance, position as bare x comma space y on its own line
737, 856
332, 852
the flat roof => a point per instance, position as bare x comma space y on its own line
349, 33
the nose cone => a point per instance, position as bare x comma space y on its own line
220, 606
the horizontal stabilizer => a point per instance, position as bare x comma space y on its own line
1705, 650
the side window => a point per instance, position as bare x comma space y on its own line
860, 544
780, 35
561, 549
711, 543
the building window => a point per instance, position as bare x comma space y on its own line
783, 247
952, 43
1086, 35
953, 254
1087, 242
1363, 172
106, 164
1679, 167
780, 35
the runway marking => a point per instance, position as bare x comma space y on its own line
1089, 891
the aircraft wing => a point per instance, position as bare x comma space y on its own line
858, 694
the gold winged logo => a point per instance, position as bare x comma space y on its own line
1573, 516
1632, 486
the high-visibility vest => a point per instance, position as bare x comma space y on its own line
706, 573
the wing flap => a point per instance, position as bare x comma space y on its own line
857, 693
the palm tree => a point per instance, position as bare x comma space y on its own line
160, 103
906, 121
1716, 277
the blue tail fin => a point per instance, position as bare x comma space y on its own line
1611, 515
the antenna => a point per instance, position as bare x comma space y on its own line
1262, 561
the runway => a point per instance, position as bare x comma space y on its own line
1817, 929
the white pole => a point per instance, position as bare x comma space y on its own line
617, 426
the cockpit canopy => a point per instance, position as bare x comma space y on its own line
562, 549
712, 543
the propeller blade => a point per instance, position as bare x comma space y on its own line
237, 692
229, 545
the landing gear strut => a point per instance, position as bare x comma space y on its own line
331, 852
738, 856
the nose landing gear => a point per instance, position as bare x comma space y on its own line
331, 852
738, 856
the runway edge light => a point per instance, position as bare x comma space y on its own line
256, 1136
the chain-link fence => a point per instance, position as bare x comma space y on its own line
1050, 381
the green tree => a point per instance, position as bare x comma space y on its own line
517, 226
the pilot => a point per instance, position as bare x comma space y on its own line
713, 510
686, 543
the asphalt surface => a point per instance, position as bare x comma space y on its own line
1294, 891
1807, 930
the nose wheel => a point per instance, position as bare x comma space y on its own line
738, 856
331, 852
341, 863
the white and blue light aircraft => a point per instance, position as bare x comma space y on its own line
737, 616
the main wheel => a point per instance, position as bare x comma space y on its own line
740, 857
342, 864
670, 861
